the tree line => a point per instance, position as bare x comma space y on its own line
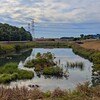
13, 33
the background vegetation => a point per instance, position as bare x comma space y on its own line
15, 47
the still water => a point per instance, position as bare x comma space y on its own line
76, 75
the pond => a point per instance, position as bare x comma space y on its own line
76, 74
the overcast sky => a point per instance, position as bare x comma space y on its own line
84, 12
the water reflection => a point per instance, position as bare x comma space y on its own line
21, 56
62, 55
81, 68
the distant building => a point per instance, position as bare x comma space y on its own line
96, 36
45, 39
67, 38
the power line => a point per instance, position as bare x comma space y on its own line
41, 27
49, 31
64, 23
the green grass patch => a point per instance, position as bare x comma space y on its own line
10, 72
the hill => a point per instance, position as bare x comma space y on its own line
13, 33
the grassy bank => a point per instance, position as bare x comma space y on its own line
92, 55
6, 48
9, 47
53, 44
82, 92
10, 72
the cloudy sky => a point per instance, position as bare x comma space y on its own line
53, 17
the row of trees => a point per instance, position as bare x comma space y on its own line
97, 36
12, 33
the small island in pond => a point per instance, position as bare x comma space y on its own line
44, 64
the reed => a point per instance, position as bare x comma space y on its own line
75, 64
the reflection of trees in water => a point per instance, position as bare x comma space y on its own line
15, 57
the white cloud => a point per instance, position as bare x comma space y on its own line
50, 10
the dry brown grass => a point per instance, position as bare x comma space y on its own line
93, 44
82, 92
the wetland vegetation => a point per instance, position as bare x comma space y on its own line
10, 72
44, 63
92, 55
8, 48
82, 92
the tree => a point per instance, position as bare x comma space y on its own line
13, 33
82, 36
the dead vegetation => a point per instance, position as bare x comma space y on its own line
93, 44
82, 92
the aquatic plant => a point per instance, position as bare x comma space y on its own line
75, 64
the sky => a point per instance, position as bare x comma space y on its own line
53, 18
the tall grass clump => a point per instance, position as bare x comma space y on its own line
75, 64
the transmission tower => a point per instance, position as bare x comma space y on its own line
32, 29
29, 27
